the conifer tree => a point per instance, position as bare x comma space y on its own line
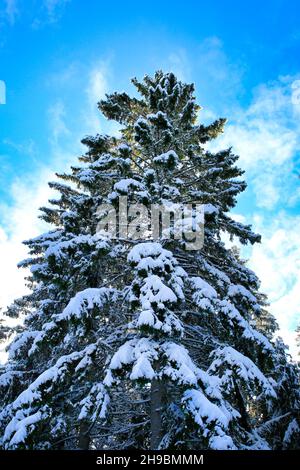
133, 342
298, 338
282, 429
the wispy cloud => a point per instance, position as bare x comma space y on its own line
95, 91
218, 72
97, 86
27, 147
277, 262
266, 135
10, 11
19, 217
57, 122
18, 222
38, 14
218, 80
54, 8
179, 64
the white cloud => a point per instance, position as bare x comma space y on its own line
63, 77
266, 135
57, 122
93, 82
19, 222
216, 68
96, 88
277, 263
10, 11
27, 147
179, 64
54, 8
239, 218
19, 218
49, 11
218, 80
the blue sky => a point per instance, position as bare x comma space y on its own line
58, 57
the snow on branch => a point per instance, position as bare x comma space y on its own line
229, 363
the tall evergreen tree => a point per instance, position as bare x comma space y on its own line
141, 343
282, 429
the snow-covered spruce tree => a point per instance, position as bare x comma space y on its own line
298, 338
282, 429
133, 342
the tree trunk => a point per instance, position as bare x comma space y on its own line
157, 395
242, 408
84, 438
